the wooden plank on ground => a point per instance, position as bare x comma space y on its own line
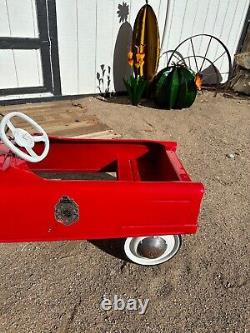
62, 118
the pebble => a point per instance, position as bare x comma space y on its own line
232, 156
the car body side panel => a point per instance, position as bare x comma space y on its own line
107, 209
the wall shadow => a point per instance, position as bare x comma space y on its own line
121, 69
104, 80
211, 76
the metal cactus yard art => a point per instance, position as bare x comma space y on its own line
175, 87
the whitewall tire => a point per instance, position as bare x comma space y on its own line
152, 250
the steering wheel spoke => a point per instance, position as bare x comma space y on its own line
31, 152
39, 138
11, 127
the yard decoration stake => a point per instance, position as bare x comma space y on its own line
135, 87
175, 87
146, 36
136, 84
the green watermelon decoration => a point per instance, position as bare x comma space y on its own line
174, 87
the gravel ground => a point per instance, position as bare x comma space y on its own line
58, 287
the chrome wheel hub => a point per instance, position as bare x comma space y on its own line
152, 250
152, 247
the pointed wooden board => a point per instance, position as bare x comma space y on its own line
146, 32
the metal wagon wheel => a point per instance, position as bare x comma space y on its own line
203, 60
214, 72
176, 56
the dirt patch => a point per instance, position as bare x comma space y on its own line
58, 287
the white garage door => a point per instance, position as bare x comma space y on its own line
26, 48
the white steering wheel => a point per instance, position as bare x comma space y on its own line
24, 139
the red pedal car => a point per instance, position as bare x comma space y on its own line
66, 189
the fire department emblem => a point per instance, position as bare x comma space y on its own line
66, 211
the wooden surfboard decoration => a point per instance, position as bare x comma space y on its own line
146, 40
